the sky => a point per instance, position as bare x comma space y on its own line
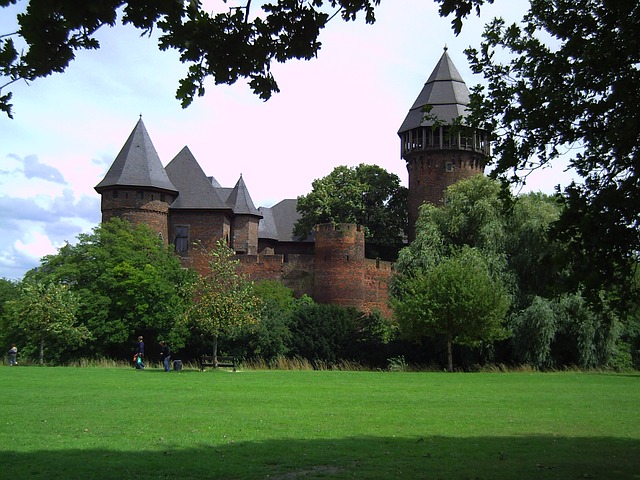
342, 108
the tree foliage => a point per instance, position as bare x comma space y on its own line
458, 298
474, 214
45, 313
271, 337
236, 42
323, 332
127, 282
224, 301
571, 88
367, 195
564, 330
551, 321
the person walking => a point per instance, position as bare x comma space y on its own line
13, 354
165, 353
140, 353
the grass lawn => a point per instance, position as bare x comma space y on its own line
120, 423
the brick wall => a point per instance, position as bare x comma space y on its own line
205, 228
377, 277
244, 234
294, 271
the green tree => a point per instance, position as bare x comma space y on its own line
458, 298
515, 232
534, 330
564, 330
9, 290
570, 88
127, 281
534, 256
237, 43
367, 195
224, 300
46, 313
323, 332
474, 214
271, 336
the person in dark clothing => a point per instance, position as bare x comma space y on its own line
13, 353
165, 353
140, 353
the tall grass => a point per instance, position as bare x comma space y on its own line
108, 423
299, 363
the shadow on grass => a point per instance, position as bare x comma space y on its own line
538, 457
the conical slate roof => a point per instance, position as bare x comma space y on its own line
137, 165
445, 91
240, 200
196, 190
277, 222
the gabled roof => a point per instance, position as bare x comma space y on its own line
445, 91
196, 190
240, 200
277, 222
137, 165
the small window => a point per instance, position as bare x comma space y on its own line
182, 239
115, 194
162, 196
448, 166
139, 195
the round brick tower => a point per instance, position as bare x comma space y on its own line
136, 187
438, 150
339, 265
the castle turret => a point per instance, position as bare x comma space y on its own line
244, 228
438, 149
339, 265
136, 187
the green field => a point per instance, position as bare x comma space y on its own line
119, 423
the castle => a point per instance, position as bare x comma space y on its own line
185, 206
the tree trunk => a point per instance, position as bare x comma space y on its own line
449, 354
215, 350
42, 352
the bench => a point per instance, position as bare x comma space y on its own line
223, 361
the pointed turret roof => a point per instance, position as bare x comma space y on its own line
445, 91
240, 200
137, 165
196, 190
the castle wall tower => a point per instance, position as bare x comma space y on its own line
339, 265
439, 151
244, 228
136, 187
